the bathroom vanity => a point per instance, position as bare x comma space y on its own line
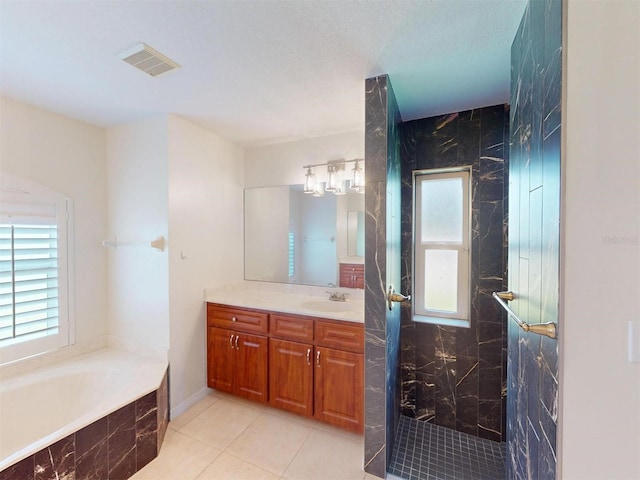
305, 364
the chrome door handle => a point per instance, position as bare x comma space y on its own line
392, 296
318, 358
237, 338
231, 340
308, 356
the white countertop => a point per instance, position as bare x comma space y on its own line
295, 299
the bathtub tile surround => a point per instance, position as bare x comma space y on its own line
112, 447
534, 233
382, 254
456, 377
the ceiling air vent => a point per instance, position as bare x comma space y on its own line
150, 61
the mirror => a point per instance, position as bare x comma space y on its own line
355, 233
293, 237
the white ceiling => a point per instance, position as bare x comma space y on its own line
257, 72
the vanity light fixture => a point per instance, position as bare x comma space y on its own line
336, 182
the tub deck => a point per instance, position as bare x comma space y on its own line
106, 399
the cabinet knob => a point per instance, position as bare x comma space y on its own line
233, 319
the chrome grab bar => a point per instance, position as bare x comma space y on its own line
546, 329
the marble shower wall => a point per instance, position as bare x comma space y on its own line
534, 239
451, 376
382, 268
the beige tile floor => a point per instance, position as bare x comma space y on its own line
227, 438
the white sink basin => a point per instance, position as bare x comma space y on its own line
327, 306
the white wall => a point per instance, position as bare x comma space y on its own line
67, 156
600, 390
138, 288
205, 174
281, 164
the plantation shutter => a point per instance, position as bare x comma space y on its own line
28, 272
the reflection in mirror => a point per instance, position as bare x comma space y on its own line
291, 237
355, 233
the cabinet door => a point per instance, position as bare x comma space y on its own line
351, 275
291, 376
339, 388
220, 359
252, 361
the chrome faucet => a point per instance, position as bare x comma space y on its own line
337, 296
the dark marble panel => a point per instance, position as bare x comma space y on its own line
146, 429
551, 76
91, 450
534, 171
122, 442
467, 394
162, 399
56, 461
23, 470
376, 124
489, 419
547, 459
375, 254
476, 138
490, 215
490, 361
384, 267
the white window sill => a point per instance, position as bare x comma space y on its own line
448, 322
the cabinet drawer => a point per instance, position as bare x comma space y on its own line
351, 269
340, 335
237, 318
291, 328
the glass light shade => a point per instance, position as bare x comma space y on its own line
332, 179
309, 182
341, 188
319, 191
357, 179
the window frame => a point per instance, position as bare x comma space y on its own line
462, 316
19, 204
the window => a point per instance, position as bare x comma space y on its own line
442, 239
292, 254
34, 277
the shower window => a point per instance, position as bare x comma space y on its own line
34, 286
442, 238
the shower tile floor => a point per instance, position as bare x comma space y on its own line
424, 451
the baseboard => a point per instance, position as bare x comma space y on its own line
185, 405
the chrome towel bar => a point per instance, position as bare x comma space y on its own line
546, 329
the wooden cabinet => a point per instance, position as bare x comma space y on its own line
351, 275
291, 376
339, 374
339, 388
291, 352
308, 366
237, 362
